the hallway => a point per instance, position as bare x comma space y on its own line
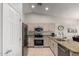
38, 52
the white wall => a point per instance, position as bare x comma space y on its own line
37, 18
66, 34
40, 18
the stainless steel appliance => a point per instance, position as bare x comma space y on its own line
38, 40
62, 51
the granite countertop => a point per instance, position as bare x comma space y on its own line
44, 33
71, 45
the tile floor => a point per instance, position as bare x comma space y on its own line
38, 52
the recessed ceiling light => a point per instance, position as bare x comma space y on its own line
33, 6
46, 8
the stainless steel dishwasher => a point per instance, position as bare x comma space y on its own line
62, 51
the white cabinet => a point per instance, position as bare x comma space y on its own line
54, 47
48, 27
51, 45
46, 41
31, 27
30, 41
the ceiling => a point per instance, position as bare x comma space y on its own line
62, 10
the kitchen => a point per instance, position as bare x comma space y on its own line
53, 25
45, 29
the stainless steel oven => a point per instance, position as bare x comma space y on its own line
38, 42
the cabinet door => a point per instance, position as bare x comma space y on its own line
55, 48
52, 45
30, 41
31, 26
46, 41
12, 42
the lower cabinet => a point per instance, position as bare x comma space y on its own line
54, 47
30, 41
46, 41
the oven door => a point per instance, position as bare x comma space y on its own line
38, 42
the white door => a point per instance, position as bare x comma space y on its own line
0, 28
12, 42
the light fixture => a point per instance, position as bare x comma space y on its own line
33, 6
46, 8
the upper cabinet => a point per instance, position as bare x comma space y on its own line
50, 27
